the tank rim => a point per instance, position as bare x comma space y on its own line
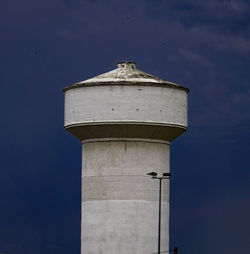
126, 83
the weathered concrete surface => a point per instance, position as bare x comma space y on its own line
123, 227
126, 120
126, 74
119, 202
126, 111
126, 104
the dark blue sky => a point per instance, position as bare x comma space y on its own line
49, 44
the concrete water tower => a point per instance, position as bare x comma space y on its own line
125, 120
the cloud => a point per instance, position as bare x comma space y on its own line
194, 57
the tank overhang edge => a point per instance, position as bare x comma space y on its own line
126, 83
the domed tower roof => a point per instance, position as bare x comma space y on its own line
125, 74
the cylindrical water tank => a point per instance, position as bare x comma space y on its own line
126, 120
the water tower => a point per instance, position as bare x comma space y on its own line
125, 120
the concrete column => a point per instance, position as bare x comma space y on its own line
119, 202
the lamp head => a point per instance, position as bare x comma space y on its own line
153, 174
166, 174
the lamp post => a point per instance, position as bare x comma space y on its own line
164, 176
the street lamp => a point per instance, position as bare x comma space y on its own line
164, 176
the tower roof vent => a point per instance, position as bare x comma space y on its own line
131, 65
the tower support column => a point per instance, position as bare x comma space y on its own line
120, 203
